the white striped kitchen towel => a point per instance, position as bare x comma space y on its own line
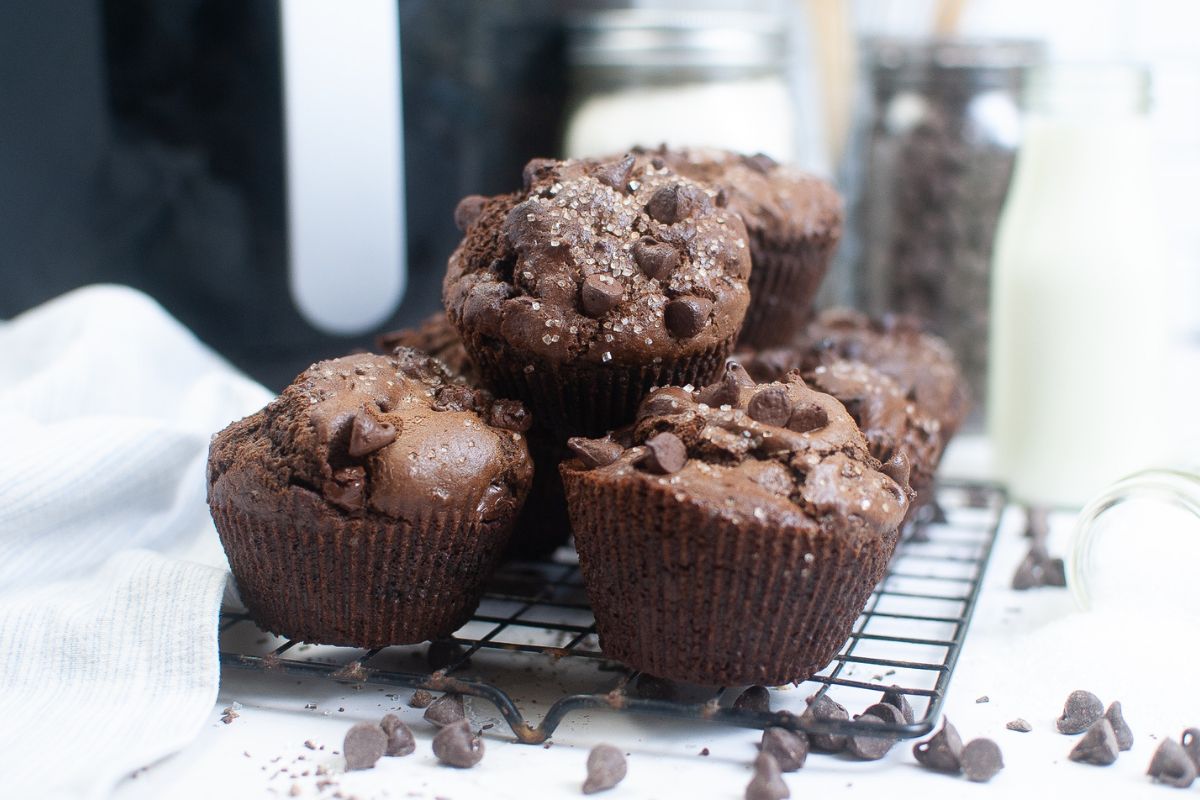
111, 575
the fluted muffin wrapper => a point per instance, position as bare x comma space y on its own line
785, 277
582, 398
307, 574
681, 592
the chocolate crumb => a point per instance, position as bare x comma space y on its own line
606, 767
420, 699
310, 744
788, 748
767, 783
364, 745
446, 710
1098, 746
981, 760
1020, 725
1172, 765
983, 699
1080, 711
457, 746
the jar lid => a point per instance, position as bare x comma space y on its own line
652, 38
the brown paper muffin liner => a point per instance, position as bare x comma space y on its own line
784, 279
309, 574
582, 399
682, 593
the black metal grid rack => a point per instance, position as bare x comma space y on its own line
907, 639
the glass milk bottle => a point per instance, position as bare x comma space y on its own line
1078, 332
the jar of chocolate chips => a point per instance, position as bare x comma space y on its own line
935, 154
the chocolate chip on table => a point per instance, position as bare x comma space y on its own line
665, 453
767, 783
368, 434
1098, 745
789, 748
674, 203
1191, 745
420, 699
468, 211
886, 712
825, 709
1116, 717
656, 259
1020, 725
870, 747
605, 768
686, 316
510, 415
1079, 712
943, 751
595, 452
458, 746
770, 406
981, 760
895, 697
365, 744
755, 698
600, 294
615, 173
446, 710
400, 740
807, 417
1171, 765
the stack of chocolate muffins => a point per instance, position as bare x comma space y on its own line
627, 353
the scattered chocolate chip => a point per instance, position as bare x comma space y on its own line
457, 745
615, 173
770, 406
897, 698
755, 698
605, 768
510, 415
807, 417
788, 748
686, 316
983, 699
1098, 745
1019, 725
1191, 745
1171, 765
446, 710
767, 783
468, 210
886, 712
898, 468
981, 760
400, 740
704, 752
674, 203
825, 709
600, 294
595, 452
1079, 712
943, 751
655, 259
364, 745
870, 747
420, 699
1116, 717
346, 488
760, 162
665, 453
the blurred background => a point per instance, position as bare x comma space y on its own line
282, 176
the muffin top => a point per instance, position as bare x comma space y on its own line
392, 436
437, 337
620, 261
777, 453
771, 198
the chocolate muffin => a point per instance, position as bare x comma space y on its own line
369, 502
436, 337
732, 534
596, 282
794, 221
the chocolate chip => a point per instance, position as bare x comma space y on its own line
600, 294
365, 744
1079, 712
871, 747
825, 709
420, 699
468, 211
537, 170
686, 316
457, 746
1054, 573
1191, 745
1020, 725
510, 415
446, 710
1098, 745
615, 173
665, 453
760, 162
605, 768
942, 751
789, 748
808, 416
368, 434
1171, 765
886, 712
770, 406
655, 259
981, 760
1116, 717
595, 452
346, 488
897, 699
672, 203
898, 468
400, 740
665, 402
755, 698
767, 783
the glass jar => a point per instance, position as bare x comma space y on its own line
936, 153
645, 77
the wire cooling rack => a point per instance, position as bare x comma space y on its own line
535, 619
